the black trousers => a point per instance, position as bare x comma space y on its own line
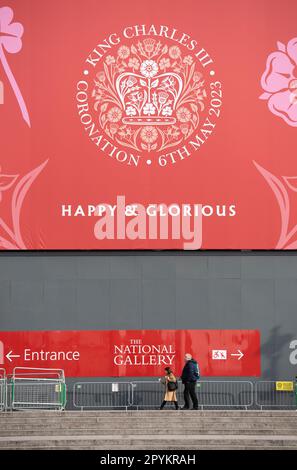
190, 391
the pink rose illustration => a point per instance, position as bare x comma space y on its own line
10, 41
279, 82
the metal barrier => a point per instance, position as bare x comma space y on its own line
102, 395
219, 394
149, 394
225, 394
268, 397
46, 389
37, 388
3, 389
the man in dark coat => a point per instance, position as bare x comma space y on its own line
190, 375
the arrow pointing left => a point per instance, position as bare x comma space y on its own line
10, 355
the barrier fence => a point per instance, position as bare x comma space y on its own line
3, 389
149, 394
28, 389
32, 388
267, 396
102, 395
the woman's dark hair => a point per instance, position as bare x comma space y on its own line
168, 370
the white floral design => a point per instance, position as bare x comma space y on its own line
188, 60
149, 109
124, 52
167, 111
174, 52
149, 134
114, 114
130, 111
164, 63
134, 63
183, 114
149, 68
149, 95
110, 60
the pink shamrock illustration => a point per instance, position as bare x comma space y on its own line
11, 236
279, 82
10, 41
284, 189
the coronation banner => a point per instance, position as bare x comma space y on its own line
124, 353
157, 124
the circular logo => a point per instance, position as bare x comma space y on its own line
148, 100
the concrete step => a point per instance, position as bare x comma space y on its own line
153, 430
144, 432
125, 441
153, 426
166, 448
150, 413
170, 415
140, 425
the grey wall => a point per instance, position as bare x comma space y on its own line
156, 291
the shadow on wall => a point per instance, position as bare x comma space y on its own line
273, 350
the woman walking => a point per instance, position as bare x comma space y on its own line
170, 383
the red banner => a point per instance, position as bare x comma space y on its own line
136, 125
133, 353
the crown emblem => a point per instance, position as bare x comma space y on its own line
149, 98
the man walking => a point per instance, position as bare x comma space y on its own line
190, 375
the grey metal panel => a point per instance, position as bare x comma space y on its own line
54, 268
192, 304
93, 305
60, 304
15, 268
158, 268
187, 268
89, 268
285, 329
258, 267
158, 303
5, 288
224, 303
124, 305
285, 267
224, 267
258, 313
6, 319
125, 268
257, 297
27, 296
156, 291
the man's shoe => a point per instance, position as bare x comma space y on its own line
184, 408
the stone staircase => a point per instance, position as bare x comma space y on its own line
155, 430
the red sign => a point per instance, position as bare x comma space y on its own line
135, 125
134, 353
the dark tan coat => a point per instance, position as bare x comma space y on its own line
168, 395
